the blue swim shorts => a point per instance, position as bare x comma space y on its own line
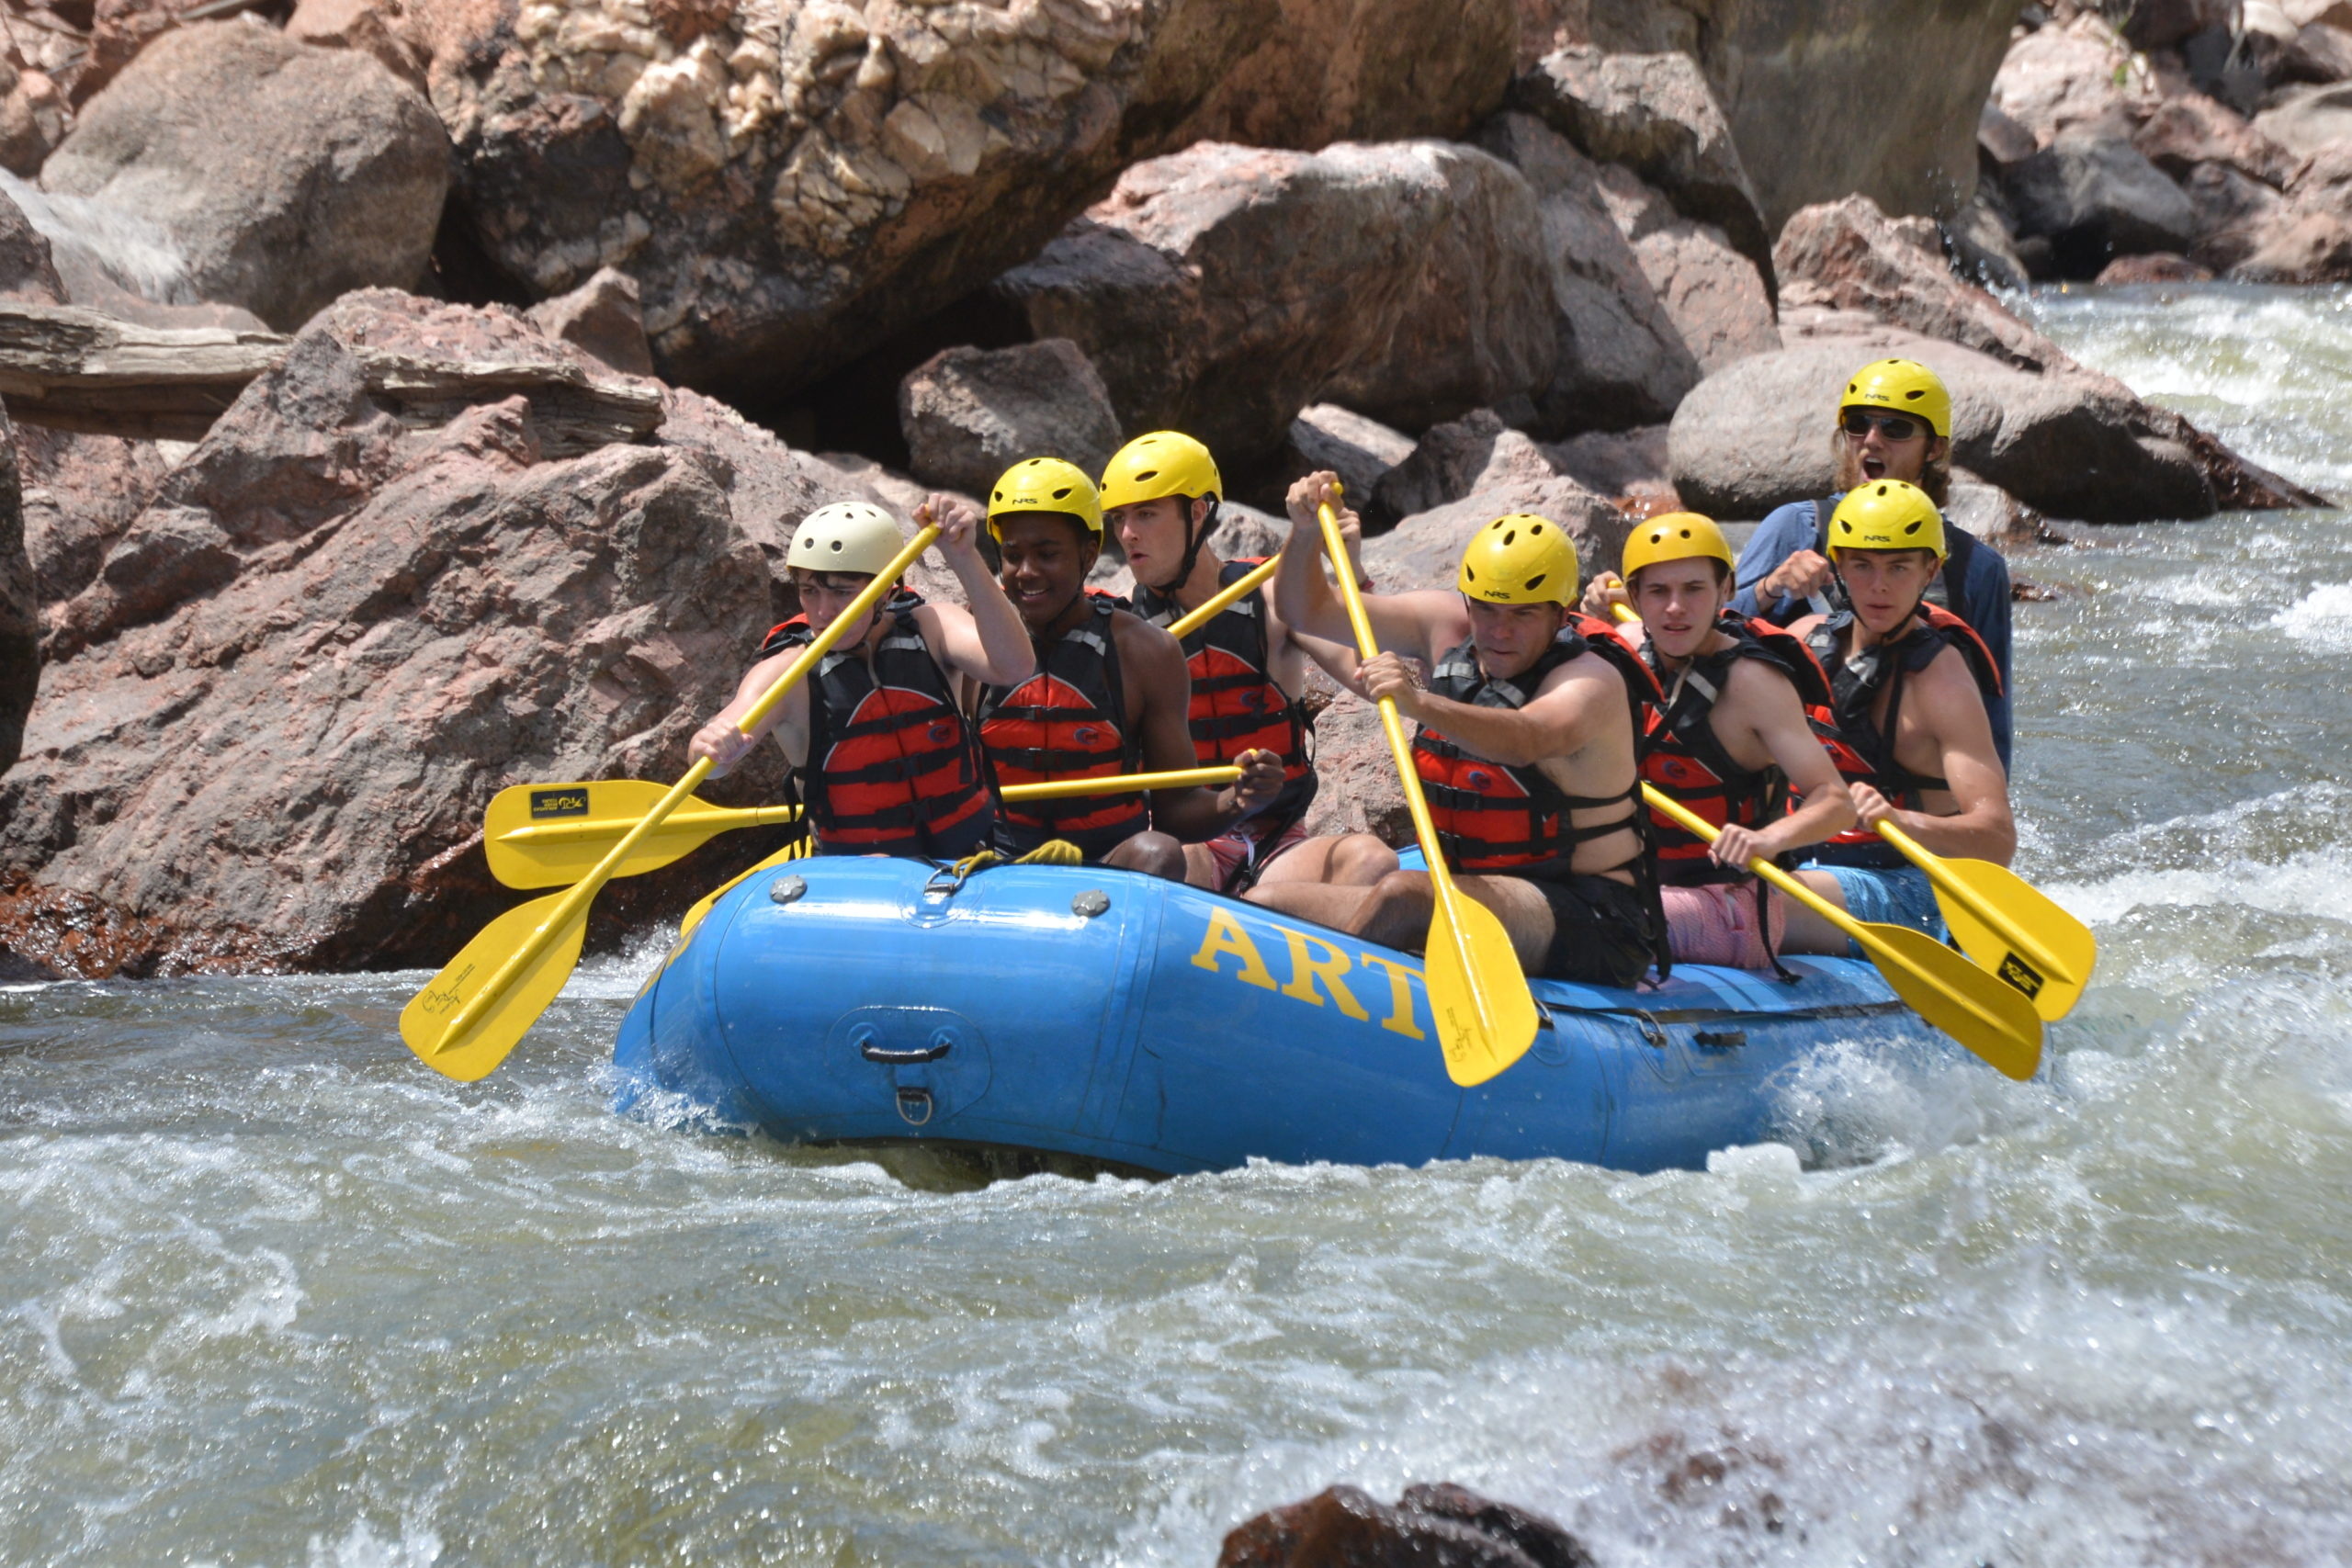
1903, 897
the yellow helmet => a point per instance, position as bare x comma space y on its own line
848, 536
1166, 462
1045, 484
1520, 559
1675, 536
1887, 514
1907, 387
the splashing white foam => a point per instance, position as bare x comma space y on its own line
2322, 616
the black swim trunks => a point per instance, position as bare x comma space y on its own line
1602, 933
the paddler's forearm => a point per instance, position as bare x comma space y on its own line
1827, 811
1989, 834
1302, 596
1005, 636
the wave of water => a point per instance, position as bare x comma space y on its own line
273, 1295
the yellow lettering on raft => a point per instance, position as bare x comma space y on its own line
1400, 997
1305, 969
1226, 935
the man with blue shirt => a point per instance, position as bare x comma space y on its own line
1895, 422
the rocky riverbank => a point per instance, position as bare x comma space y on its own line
410, 397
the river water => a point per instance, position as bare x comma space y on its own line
271, 1293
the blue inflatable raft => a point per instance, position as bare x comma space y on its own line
1150, 1026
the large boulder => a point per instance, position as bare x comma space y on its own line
790, 184
1848, 256
2310, 120
2096, 198
19, 608
971, 413
2081, 74
1797, 80
1655, 115
344, 622
287, 176
2307, 238
1424, 550
1360, 450
1621, 359
1222, 289
2193, 130
2068, 443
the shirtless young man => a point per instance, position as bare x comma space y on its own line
878, 745
1108, 694
1728, 738
1525, 751
1907, 723
1161, 497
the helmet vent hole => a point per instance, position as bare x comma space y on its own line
1510, 537
1537, 581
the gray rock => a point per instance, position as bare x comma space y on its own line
2191, 130
1621, 359
2310, 120
602, 316
2096, 198
1222, 289
19, 608
1475, 328
1453, 461
1360, 450
791, 183
1979, 245
969, 413
2231, 210
1848, 256
1424, 550
1656, 115
25, 270
285, 174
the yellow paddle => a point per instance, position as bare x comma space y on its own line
552, 835
1479, 995
2009, 926
1263, 572
1938, 984
471, 1013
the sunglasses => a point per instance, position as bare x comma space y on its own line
1893, 426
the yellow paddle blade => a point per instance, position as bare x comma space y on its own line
2017, 932
1478, 997
1958, 998
425, 1023
551, 835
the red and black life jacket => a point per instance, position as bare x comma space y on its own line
1681, 757
1066, 721
1492, 818
1237, 704
1862, 749
891, 767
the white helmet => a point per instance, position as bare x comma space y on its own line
848, 536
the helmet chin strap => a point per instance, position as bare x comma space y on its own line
1193, 541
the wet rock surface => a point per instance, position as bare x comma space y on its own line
1429, 1527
